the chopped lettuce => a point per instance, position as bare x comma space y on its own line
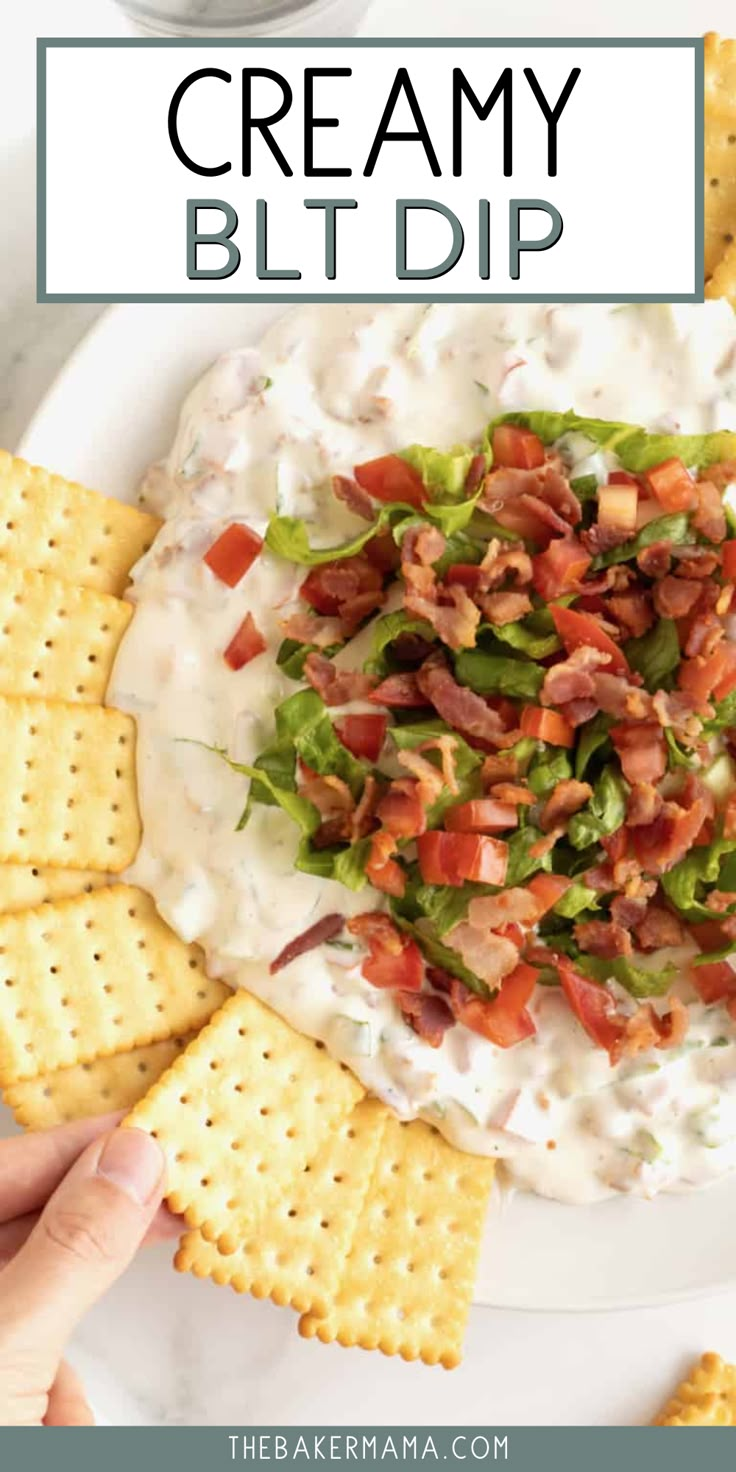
494, 674
603, 814
576, 899
585, 487
273, 769
548, 767
521, 863
593, 736
637, 980
292, 655
303, 721
442, 472
533, 635
386, 629
687, 883
346, 865
678, 757
451, 517
656, 654
637, 450
288, 536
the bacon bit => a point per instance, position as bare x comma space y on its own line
721, 475
719, 900
544, 846
422, 545
675, 597
428, 1015
372, 926
709, 517
545, 485
603, 938
641, 751
363, 818
460, 707
448, 608
382, 552
670, 837
572, 678
429, 778
347, 490
325, 929
577, 712
633, 611
505, 608
659, 927
512, 906
729, 820
395, 962
499, 767
602, 538
336, 687
647, 1029
627, 911
500, 560
568, 797
684, 714
381, 869
655, 561
617, 697
643, 806
706, 631
446, 745
402, 810
510, 792
308, 628
491, 957
400, 691
476, 472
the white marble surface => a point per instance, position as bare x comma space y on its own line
172, 1351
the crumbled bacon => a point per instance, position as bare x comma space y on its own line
721, 475
422, 545
618, 697
648, 1029
330, 795
402, 810
709, 518
427, 1014
572, 678
382, 870
446, 746
675, 597
505, 608
706, 631
476, 472
546, 485
512, 792
544, 846
488, 956
684, 714
448, 608
641, 751
502, 559
336, 687
325, 929
568, 797
643, 805
695, 562
633, 611
401, 691
347, 490
362, 820
602, 538
659, 927
603, 938
655, 561
511, 906
311, 628
460, 707
499, 767
429, 778
628, 911
670, 837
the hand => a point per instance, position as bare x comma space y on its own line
75, 1204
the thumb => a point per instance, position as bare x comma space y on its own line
84, 1239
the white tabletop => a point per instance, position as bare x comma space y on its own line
169, 1350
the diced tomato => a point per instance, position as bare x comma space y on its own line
673, 485
466, 573
246, 643
234, 552
395, 960
516, 447
560, 567
382, 552
592, 1004
382, 870
546, 890
575, 629
451, 858
332, 584
622, 478
389, 478
504, 1020
708, 934
709, 675
547, 725
400, 691
713, 981
363, 735
728, 550
483, 815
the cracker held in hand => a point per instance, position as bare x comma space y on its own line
408, 1281
720, 150
56, 526
112, 1083
297, 1252
69, 789
87, 977
56, 641
240, 1114
706, 1398
23, 886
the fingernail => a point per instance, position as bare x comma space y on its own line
133, 1161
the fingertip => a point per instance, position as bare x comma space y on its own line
133, 1161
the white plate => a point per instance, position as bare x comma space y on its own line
113, 410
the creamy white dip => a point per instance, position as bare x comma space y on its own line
331, 386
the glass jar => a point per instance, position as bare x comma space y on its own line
244, 18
